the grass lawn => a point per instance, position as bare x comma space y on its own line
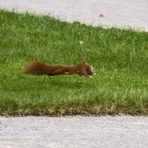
119, 57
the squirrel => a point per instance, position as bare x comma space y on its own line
39, 68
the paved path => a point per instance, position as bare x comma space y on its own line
74, 132
120, 13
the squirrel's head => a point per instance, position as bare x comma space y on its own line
86, 69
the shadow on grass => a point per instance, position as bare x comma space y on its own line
22, 83
68, 84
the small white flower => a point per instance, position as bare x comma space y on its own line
81, 42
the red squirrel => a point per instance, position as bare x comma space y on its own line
38, 68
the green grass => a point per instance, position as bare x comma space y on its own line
119, 57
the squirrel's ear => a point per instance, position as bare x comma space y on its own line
85, 62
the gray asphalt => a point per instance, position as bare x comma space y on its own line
119, 13
74, 132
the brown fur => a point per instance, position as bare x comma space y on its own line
38, 68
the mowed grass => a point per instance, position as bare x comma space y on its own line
119, 58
